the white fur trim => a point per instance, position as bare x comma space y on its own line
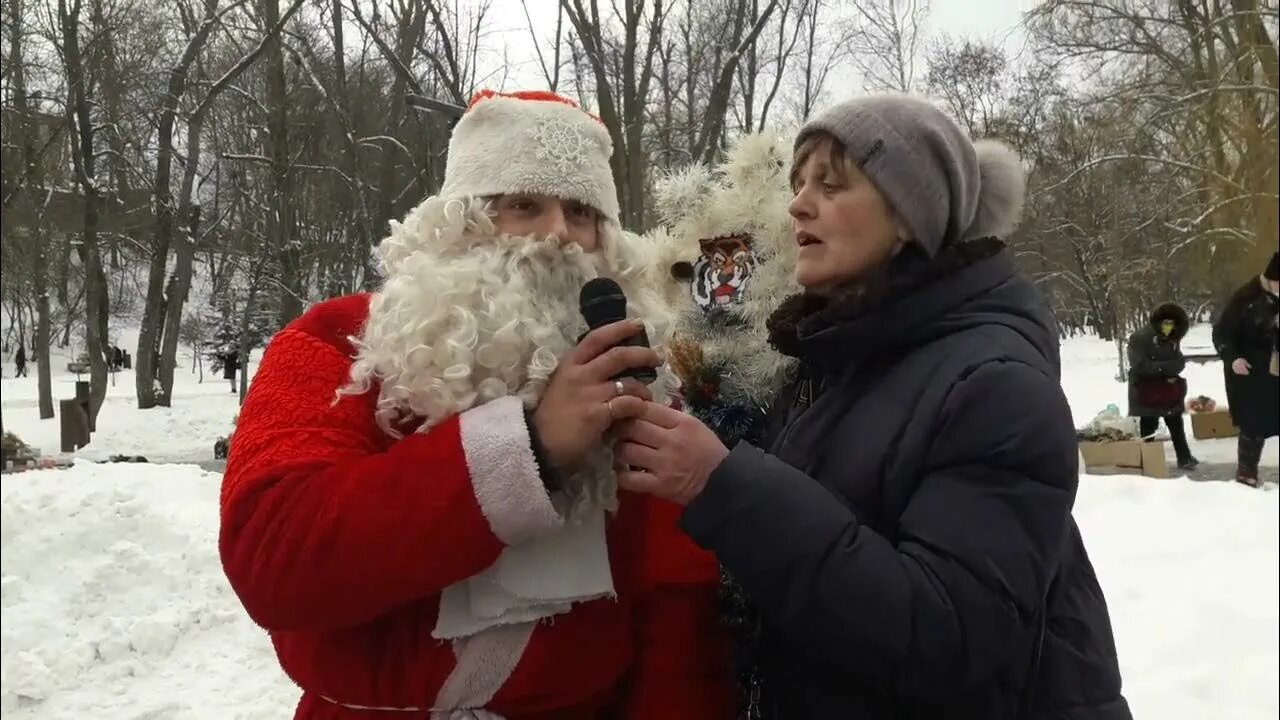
531, 581
484, 663
504, 473
1002, 190
505, 145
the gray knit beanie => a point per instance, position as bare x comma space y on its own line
945, 187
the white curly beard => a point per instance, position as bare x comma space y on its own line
466, 316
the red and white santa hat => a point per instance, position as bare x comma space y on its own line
532, 142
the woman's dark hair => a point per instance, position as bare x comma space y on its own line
837, 158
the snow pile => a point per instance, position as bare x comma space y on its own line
115, 605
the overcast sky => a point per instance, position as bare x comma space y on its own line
990, 20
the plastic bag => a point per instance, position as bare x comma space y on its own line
1110, 424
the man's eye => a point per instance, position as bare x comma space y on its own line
581, 211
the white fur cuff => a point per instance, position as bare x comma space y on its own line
504, 474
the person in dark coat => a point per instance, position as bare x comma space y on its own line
230, 365
20, 362
906, 533
1156, 387
1246, 339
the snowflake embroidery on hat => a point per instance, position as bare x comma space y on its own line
562, 143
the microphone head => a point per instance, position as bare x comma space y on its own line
602, 302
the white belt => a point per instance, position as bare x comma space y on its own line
478, 714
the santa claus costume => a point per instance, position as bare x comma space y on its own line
383, 513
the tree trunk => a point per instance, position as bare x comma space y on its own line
153, 312
33, 171
44, 367
84, 156
153, 305
280, 221
180, 286
250, 307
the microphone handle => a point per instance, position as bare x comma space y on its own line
643, 375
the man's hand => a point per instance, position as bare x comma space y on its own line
664, 452
1240, 366
582, 400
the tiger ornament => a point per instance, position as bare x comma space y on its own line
722, 270
726, 260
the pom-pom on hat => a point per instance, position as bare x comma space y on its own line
531, 142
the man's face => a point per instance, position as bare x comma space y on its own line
722, 271
569, 221
1166, 327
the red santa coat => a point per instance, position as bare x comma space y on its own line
338, 540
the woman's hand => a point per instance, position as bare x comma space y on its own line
664, 452
1240, 366
582, 400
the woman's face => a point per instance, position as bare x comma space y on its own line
569, 221
844, 226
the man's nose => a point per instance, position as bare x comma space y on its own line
557, 223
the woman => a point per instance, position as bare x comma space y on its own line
1246, 339
1156, 387
907, 536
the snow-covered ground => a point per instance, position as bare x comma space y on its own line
114, 604
201, 412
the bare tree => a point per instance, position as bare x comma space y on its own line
550, 68
970, 77
838, 41
33, 199
621, 70
887, 39
190, 212
146, 371
84, 153
1200, 77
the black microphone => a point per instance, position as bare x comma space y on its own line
603, 302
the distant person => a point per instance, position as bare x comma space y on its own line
1156, 387
1245, 337
20, 362
230, 365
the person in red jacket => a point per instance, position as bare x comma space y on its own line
421, 507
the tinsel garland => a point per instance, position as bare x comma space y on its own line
732, 422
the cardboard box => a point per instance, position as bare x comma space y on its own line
1125, 457
1216, 424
